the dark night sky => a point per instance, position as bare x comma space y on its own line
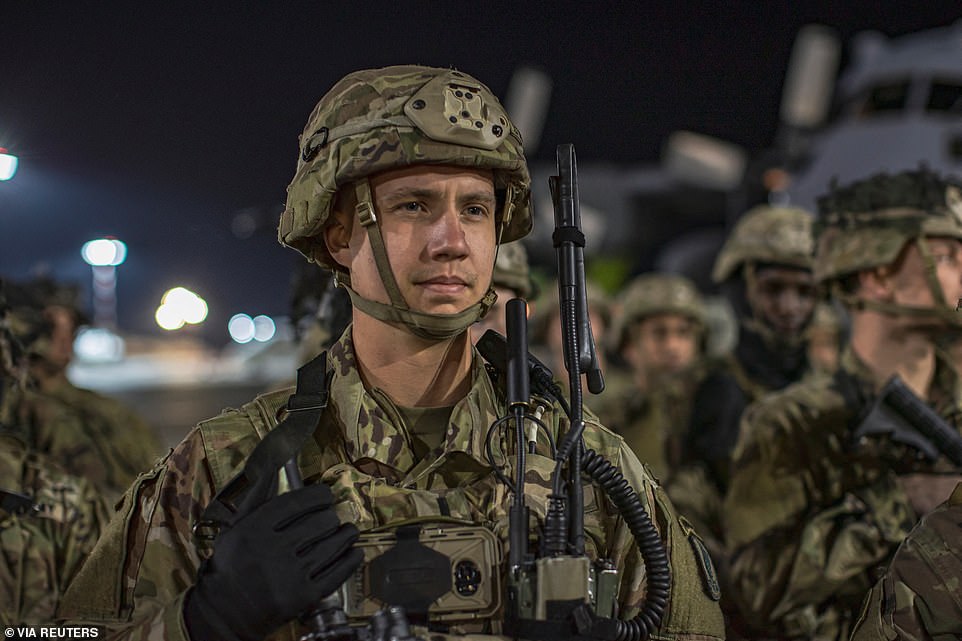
159, 122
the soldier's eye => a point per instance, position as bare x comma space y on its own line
476, 211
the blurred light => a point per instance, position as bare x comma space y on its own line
264, 328
186, 304
104, 252
98, 345
241, 328
243, 225
8, 164
168, 318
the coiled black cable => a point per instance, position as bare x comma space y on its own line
649, 544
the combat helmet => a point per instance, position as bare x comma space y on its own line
766, 234
651, 294
380, 119
512, 271
867, 224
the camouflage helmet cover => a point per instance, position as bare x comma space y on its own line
511, 269
869, 226
653, 294
380, 119
766, 234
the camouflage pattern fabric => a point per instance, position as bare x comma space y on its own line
90, 435
40, 552
920, 598
810, 515
766, 234
148, 557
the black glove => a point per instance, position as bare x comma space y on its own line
274, 564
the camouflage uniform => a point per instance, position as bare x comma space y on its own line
46, 538
41, 551
810, 515
918, 599
363, 451
108, 444
137, 580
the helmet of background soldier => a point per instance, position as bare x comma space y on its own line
867, 223
512, 271
766, 234
652, 294
380, 119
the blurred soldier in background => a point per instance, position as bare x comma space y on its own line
765, 271
110, 444
547, 341
320, 311
49, 520
817, 500
920, 596
407, 180
659, 332
511, 279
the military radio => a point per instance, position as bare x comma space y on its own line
562, 594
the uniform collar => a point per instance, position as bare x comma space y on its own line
374, 434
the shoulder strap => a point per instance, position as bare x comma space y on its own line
257, 481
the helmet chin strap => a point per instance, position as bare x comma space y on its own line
432, 327
939, 311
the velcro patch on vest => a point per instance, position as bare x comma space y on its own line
705, 566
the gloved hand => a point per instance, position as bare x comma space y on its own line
273, 565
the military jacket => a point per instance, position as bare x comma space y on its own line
42, 548
135, 581
920, 596
810, 514
106, 442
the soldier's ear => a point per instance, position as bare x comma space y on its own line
875, 284
337, 234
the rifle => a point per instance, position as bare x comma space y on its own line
900, 414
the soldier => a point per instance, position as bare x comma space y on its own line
813, 508
49, 520
110, 443
765, 271
659, 332
511, 279
407, 179
918, 599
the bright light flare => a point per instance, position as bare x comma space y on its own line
98, 345
264, 328
241, 328
8, 164
180, 306
104, 252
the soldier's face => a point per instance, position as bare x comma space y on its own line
784, 297
908, 283
438, 225
663, 344
63, 329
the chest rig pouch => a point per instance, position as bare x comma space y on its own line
439, 572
